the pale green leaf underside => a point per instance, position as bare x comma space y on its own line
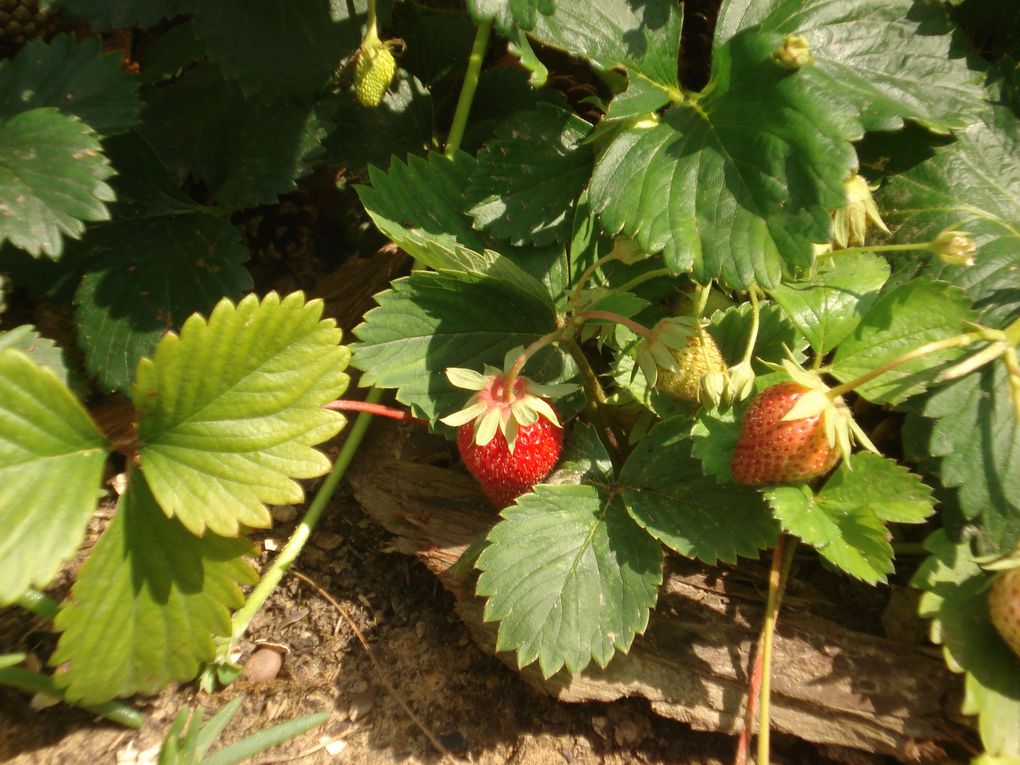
905, 318
51, 465
570, 578
891, 58
52, 179
736, 184
41, 350
229, 411
667, 493
148, 603
828, 307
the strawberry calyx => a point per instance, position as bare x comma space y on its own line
500, 407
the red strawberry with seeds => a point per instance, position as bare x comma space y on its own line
772, 449
509, 436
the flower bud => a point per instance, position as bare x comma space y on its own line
627, 250
850, 222
794, 53
954, 248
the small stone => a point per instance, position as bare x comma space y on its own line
283, 513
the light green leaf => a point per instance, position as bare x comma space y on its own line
430, 321
955, 601
667, 493
148, 603
742, 205
917, 313
643, 38
230, 410
52, 178
530, 175
894, 59
828, 306
731, 329
51, 466
509, 13
889, 490
570, 577
43, 352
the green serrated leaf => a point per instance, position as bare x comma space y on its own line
905, 318
584, 459
641, 97
570, 578
75, 78
528, 178
715, 435
52, 178
666, 492
894, 59
828, 306
42, 351
976, 433
230, 410
954, 599
51, 465
731, 329
742, 205
102, 14
148, 603
892, 492
854, 540
507, 14
972, 184
289, 49
643, 38
203, 124
428, 322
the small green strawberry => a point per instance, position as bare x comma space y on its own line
509, 436
1004, 607
679, 358
373, 73
697, 357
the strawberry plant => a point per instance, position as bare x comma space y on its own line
675, 306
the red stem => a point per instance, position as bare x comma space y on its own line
351, 405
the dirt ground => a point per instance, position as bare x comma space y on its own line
476, 708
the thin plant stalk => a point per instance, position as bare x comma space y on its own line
467, 91
272, 575
35, 682
39, 604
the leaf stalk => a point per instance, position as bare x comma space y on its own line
467, 90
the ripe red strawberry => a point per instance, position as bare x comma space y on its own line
504, 476
1004, 607
509, 437
773, 450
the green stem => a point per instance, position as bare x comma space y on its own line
630, 324
910, 247
34, 682
957, 341
755, 324
701, 292
644, 278
575, 298
467, 91
781, 561
596, 399
371, 28
527, 353
271, 576
39, 604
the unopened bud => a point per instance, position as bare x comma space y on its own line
850, 223
627, 250
741, 382
794, 53
954, 248
712, 387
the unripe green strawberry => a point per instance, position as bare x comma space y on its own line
373, 73
1004, 607
694, 359
773, 450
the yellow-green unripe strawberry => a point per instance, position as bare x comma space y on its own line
373, 73
694, 359
1004, 607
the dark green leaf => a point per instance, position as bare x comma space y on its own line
731, 329
51, 465
917, 313
737, 183
103, 14
428, 322
570, 577
73, 77
584, 459
667, 493
147, 603
52, 178
230, 410
529, 177
828, 306
894, 59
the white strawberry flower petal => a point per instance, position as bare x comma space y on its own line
468, 379
465, 415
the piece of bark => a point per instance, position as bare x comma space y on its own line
831, 685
